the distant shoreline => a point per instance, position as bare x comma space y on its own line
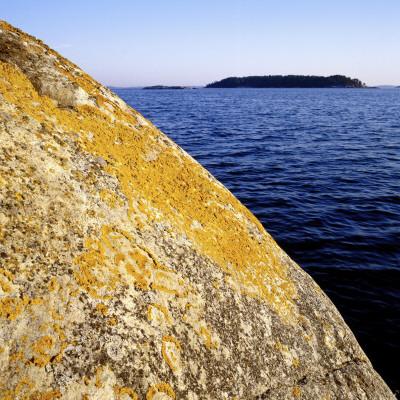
161, 87
288, 81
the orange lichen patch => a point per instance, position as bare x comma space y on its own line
140, 277
60, 332
39, 348
112, 322
21, 391
296, 392
53, 285
11, 308
140, 259
55, 315
158, 314
16, 356
24, 382
138, 222
58, 357
111, 199
160, 388
283, 349
171, 352
39, 362
144, 263
102, 309
193, 318
116, 239
5, 286
119, 257
168, 282
18, 196
54, 394
120, 391
98, 381
94, 270
205, 331
189, 306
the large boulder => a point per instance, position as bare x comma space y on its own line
129, 272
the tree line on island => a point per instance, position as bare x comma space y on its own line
288, 81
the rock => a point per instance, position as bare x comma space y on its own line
129, 272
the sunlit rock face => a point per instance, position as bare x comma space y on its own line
128, 272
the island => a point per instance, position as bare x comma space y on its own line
161, 87
288, 81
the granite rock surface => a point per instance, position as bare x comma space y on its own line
128, 272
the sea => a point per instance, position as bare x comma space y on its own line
320, 168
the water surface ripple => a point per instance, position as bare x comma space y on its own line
320, 168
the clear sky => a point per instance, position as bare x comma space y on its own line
195, 42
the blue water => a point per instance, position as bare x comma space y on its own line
320, 168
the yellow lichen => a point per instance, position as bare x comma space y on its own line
39, 362
52, 285
18, 196
11, 308
171, 352
58, 357
92, 268
98, 381
205, 331
5, 286
296, 392
40, 347
111, 199
162, 387
158, 313
60, 332
120, 391
16, 356
24, 382
119, 257
54, 394
102, 309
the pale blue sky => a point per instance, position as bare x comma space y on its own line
195, 42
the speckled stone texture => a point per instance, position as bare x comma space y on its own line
128, 272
